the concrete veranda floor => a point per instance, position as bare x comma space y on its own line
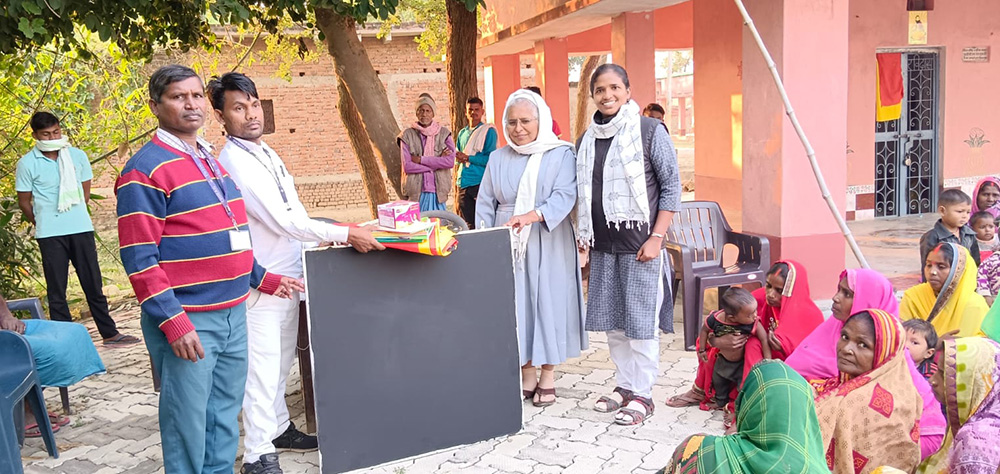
114, 426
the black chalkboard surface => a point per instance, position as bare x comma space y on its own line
412, 353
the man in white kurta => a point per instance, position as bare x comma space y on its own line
279, 229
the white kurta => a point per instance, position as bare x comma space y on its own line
278, 230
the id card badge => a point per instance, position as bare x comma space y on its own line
239, 240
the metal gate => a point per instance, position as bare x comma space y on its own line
906, 164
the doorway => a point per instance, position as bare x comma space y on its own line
906, 149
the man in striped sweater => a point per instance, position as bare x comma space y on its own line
184, 240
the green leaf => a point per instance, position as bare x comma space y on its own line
55, 4
91, 22
25, 27
31, 7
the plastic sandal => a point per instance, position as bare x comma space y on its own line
544, 391
57, 419
637, 417
610, 403
681, 401
121, 340
33, 431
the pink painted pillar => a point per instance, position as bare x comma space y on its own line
780, 196
633, 48
502, 76
552, 76
718, 90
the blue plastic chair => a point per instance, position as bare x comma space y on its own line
18, 382
34, 307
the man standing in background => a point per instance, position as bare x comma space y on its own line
53, 188
475, 143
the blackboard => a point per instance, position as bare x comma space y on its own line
412, 353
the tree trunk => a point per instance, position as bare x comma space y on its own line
583, 93
371, 175
461, 59
354, 68
460, 55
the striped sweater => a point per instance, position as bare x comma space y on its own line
174, 239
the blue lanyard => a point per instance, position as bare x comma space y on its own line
271, 169
214, 179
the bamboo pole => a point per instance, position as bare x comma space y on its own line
810, 153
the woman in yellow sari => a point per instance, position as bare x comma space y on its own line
947, 299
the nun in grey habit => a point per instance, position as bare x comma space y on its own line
530, 186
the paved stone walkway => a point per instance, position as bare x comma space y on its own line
114, 425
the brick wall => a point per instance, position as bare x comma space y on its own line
309, 135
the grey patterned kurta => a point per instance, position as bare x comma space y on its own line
625, 294
549, 291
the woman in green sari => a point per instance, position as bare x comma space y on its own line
777, 430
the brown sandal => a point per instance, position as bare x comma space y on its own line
684, 400
612, 404
542, 392
528, 394
637, 416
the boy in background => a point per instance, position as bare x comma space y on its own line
954, 207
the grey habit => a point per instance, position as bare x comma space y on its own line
549, 291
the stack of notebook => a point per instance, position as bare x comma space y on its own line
411, 233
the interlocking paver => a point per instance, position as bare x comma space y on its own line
114, 426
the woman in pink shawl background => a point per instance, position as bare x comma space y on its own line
816, 356
986, 196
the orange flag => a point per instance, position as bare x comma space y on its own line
888, 86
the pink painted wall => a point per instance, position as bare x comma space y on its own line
502, 77
675, 26
718, 151
552, 77
632, 47
780, 196
969, 91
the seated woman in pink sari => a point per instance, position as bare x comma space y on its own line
787, 313
816, 356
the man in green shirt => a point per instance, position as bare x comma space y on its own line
475, 143
53, 187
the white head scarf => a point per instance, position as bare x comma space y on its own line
545, 141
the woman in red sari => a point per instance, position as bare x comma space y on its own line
786, 311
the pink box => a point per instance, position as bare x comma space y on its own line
397, 214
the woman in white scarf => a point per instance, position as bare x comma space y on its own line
628, 189
530, 186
